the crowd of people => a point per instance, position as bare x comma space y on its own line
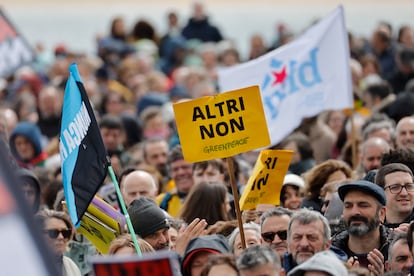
346, 204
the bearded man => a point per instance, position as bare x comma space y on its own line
366, 240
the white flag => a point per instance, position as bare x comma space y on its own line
299, 79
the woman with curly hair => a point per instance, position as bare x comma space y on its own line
318, 176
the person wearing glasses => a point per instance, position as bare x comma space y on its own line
273, 228
58, 231
397, 180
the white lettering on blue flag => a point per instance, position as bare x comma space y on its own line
74, 133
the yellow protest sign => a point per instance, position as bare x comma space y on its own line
222, 125
266, 181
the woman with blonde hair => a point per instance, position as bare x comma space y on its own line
123, 245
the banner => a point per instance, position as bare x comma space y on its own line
266, 181
300, 79
82, 152
222, 125
14, 49
160, 263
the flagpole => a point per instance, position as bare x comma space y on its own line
236, 200
124, 210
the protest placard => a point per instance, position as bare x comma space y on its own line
266, 181
222, 125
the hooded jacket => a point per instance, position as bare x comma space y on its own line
215, 244
26, 177
32, 133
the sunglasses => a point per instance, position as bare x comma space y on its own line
54, 233
269, 236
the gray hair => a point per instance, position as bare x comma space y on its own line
247, 226
275, 212
375, 126
396, 237
305, 216
257, 255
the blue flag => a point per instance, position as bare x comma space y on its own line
83, 155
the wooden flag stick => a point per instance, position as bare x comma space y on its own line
236, 200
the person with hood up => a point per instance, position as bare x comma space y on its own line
198, 251
30, 187
25, 145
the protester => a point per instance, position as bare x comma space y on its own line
273, 226
58, 231
397, 181
181, 173
366, 240
124, 245
26, 145
251, 236
155, 152
31, 188
318, 176
405, 133
208, 171
220, 265
208, 201
399, 255
150, 223
371, 153
138, 184
259, 260
291, 194
308, 234
198, 251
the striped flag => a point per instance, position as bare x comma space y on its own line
300, 79
83, 154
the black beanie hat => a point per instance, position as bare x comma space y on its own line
146, 217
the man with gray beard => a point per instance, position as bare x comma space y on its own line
366, 240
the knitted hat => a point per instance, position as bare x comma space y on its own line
146, 217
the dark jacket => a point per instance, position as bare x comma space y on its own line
396, 225
201, 30
341, 241
26, 177
215, 244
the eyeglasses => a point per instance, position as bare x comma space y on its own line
54, 233
269, 236
397, 188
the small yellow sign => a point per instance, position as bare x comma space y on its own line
266, 181
222, 125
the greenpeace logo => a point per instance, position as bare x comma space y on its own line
288, 78
72, 136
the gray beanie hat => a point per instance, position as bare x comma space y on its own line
146, 217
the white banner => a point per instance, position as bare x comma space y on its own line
299, 79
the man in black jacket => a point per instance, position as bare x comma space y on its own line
366, 240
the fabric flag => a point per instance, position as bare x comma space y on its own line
83, 154
299, 79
